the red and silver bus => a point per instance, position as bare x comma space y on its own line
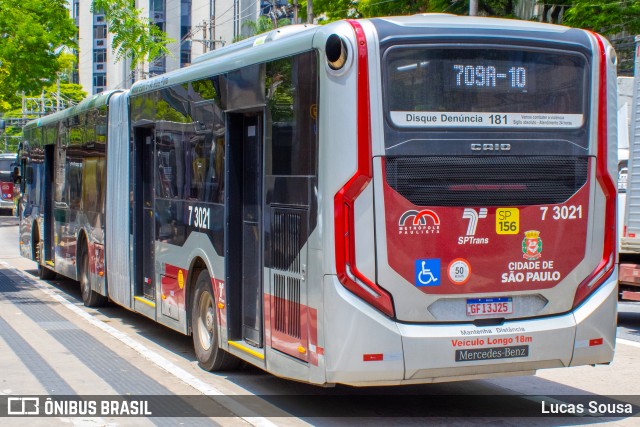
8, 163
373, 202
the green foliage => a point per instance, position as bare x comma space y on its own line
605, 16
135, 36
393, 8
167, 113
341, 9
262, 25
67, 63
70, 91
32, 33
279, 90
496, 8
334, 10
205, 89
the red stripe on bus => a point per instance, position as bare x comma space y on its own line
344, 200
607, 263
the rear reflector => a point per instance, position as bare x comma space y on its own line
596, 341
372, 357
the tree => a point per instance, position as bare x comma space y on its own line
606, 17
495, 8
32, 33
135, 36
262, 25
341, 9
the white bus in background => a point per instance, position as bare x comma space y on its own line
629, 197
625, 102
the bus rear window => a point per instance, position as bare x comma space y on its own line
482, 87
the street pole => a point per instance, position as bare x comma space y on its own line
274, 17
473, 7
204, 36
310, 12
58, 94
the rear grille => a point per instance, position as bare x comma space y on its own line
486, 181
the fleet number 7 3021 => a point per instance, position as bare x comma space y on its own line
562, 212
200, 217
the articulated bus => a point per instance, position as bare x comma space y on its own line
370, 202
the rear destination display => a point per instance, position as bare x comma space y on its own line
464, 119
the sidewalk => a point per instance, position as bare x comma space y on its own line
46, 351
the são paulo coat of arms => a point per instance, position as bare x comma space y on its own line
532, 245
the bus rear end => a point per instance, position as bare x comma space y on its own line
7, 163
492, 152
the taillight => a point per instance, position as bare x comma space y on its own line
607, 263
344, 200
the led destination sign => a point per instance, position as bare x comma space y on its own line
489, 76
481, 87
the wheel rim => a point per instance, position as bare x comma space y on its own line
205, 322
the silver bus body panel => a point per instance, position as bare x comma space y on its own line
422, 353
299, 42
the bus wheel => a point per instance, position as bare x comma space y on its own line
43, 272
204, 327
90, 297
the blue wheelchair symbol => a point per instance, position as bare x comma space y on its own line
427, 272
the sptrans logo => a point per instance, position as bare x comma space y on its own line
419, 222
531, 245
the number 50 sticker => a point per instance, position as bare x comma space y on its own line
459, 271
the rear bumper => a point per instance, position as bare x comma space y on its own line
363, 347
6, 204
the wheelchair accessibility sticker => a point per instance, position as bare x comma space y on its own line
428, 272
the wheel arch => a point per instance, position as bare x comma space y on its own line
198, 264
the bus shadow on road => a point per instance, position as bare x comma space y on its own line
629, 320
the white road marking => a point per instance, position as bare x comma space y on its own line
149, 354
628, 342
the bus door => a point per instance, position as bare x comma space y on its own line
48, 220
144, 221
243, 241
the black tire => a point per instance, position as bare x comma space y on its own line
90, 297
204, 327
45, 273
